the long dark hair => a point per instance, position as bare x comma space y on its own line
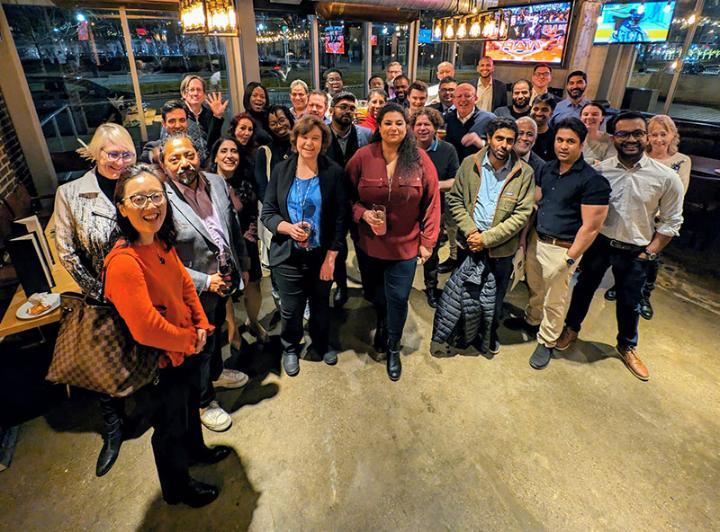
211, 164
408, 155
252, 142
167, 233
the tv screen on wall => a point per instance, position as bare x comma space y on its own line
636, 22
536, 34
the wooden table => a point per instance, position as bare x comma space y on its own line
63, 283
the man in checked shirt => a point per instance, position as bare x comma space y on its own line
645, 214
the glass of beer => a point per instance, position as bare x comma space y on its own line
307, 227
441, 133
380, 212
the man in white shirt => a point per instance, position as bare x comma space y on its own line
645, 214
491, 93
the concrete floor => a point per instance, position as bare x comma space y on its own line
461, 443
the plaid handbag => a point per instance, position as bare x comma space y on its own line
95, 350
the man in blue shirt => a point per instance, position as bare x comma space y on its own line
575, 86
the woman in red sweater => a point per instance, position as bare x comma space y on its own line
396, 206
153, 293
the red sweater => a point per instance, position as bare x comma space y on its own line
141, 279
413, 211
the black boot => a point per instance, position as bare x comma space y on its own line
380, 339
394, 366
195, 494
110, 450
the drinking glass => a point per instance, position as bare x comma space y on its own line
306, 226
381, 214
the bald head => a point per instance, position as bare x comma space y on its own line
445, 70
464, 98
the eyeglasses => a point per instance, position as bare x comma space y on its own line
139, 201
114, 156
542, 74
637, 134
343, 107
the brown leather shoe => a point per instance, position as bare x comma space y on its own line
636, 366
567, 337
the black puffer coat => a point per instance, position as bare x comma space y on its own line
465, 312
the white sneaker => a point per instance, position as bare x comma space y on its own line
231, 378
215, 418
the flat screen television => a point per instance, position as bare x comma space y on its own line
537, 33
635, 22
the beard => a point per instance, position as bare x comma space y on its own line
188, 175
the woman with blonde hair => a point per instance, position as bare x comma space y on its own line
84, 226
663, 147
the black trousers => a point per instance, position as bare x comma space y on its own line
210, 359
340, 276
298, 280
501, 268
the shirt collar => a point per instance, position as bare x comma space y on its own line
434, 145
185, 190
468, 117
642, 163
505, 168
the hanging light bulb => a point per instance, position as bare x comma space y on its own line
692, 19
437, 32
462, 30
449, 30
475, 29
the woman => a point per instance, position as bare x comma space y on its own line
305, 209
255, 102
299, 93
84, 223
663, 147
280, 125
226, 159
377, 98
396, 205
598, 145
155, 296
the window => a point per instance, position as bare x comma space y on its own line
390, 42
468, 55
430, 53
341, 47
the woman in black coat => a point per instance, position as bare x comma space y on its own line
306, 209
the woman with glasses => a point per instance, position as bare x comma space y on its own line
84, 223
155, 296
305, 209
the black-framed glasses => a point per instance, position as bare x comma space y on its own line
139, 201
637, 134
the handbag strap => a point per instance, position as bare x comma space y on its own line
268, 159
101, 278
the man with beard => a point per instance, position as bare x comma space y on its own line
645, 214
541, 111
491, 201
174, 121
520, 101
445, 96
209, 240
575, 86
491, 93
346, 138
401, 86
523, 147
572, 203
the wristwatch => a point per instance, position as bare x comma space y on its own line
651, 256
569, 261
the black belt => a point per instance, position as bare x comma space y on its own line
624, 246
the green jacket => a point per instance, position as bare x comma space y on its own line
513, 208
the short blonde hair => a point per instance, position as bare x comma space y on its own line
665, 122
299, 83
104, 135
186, 81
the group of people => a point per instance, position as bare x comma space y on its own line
186, 228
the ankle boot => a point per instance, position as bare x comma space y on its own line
394, 366
380, 339
110, 450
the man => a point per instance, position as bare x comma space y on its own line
317, 104
206, 110
523, 147
520, 101
541, 111
491, 93
425, 122
491, 201
445, 96
208, 232
401, 85
645, 214
541, 79
346, 138
174, 115
392, 71
444, 70
299, 93
575, 86
572, 203
334, 83
417, 97
466, 124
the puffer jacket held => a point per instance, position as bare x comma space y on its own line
465, 313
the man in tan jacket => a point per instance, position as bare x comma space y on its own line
491, 202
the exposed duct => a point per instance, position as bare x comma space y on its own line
389, 10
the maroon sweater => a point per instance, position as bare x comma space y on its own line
413, 210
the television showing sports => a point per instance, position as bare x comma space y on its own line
536, 34
637, 22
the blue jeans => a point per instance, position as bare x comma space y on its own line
387, 285
630, 274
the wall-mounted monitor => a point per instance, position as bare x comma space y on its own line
635, 22
536, 34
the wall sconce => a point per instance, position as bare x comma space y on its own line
192, 16
221, 18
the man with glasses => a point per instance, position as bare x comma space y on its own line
645, 214
392, 71
209, 240
444, 70
445, 96
345, 139
541, 79
334, 83
175, 121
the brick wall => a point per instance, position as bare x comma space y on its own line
13, 167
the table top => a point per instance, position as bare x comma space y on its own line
704, 167
10, 324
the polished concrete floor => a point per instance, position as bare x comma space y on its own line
459, 443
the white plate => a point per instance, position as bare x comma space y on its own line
23, 313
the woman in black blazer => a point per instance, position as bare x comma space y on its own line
306, 209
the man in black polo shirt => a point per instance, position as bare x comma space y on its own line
425, 123
520, 105
572, 203
541, 111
